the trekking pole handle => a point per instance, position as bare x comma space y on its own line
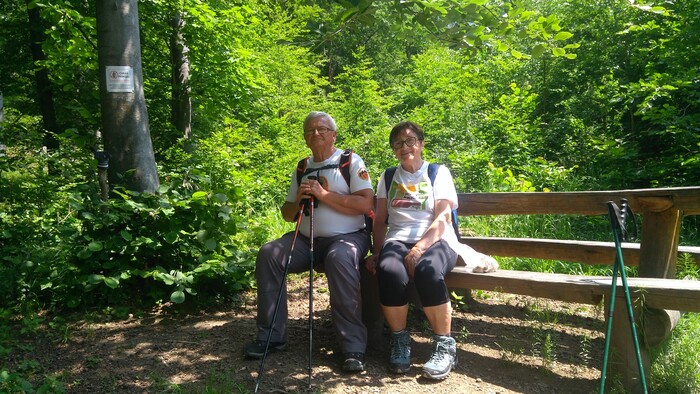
624, 209
615, 216
304, 203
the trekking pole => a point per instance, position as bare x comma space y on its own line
279, 297
311, 280
617, 221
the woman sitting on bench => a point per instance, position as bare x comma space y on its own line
418, 245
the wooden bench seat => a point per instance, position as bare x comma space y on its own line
681, 295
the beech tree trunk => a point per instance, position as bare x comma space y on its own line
125, 128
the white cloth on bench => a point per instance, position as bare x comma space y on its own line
474, 261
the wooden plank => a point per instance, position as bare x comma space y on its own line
587, 252
674, 294
686, 199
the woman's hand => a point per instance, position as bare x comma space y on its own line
371, 263
411, 259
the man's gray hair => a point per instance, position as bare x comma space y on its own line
319, 114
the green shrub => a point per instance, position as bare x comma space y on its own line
159, 246
134, 247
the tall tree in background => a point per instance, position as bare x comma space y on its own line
41, 76
124, 115
182, 103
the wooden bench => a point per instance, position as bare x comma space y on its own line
659, 211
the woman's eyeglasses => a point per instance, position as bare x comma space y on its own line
410, 141
320, 130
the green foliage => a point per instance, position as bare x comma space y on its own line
687, 267
441, 76
362, 119
469, 25
164, 245
674, 365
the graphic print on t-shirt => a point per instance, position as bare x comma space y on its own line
412, 197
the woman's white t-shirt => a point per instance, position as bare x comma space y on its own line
411, 202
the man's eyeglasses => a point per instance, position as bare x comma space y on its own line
410, 141
320, 130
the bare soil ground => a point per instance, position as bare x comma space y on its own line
506, 344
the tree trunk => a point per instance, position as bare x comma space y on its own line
181, 102
41, 76
125, 129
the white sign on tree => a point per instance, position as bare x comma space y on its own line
120, 79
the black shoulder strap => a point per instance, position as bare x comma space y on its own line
344, 165
301, 168
388, 178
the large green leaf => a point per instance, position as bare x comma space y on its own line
95, 278
111, 282
177, 297
210, 244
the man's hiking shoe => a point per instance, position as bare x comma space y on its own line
442, 360
256, 349
354, 362
400, 356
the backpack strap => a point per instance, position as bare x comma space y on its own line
388, 178
344, 165
301, 169
432, 173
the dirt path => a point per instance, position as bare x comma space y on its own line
507, 344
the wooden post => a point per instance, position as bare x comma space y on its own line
658, 250
623, 360
659, 243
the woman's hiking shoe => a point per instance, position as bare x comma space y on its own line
442, 360
354, 362
256, 349
400, 356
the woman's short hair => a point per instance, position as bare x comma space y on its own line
319, 114
406, 125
